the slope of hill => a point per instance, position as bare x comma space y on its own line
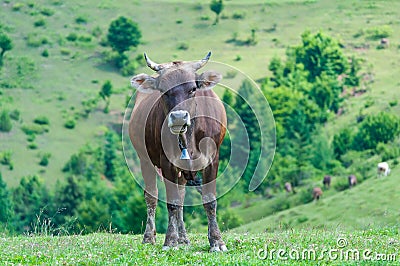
56, 85
372, 204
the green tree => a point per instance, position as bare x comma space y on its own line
110, 155
382, 127
105, 94
5, 122
5, 45
67, 198
123, 34
320, 53
216, 6
5, 203
31, 203
342, 142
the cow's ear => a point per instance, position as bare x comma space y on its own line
208, 80
144, 83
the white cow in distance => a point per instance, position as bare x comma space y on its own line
383, 169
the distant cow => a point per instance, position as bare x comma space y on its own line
385, 42
327, 181
352, 181
288, 187
317, 193
383, 169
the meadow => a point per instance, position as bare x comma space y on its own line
48, 75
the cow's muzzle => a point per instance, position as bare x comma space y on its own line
178, 121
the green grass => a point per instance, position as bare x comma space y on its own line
244, 249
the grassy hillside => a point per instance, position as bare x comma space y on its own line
372, 204
381, 247
55, 86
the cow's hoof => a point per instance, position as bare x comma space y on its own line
219, 248
166, 248
149, 239
184, 241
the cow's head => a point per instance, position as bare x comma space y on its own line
178, 83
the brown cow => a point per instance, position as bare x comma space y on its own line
288, 187
352, 181
317, 193
327, 181
177, 125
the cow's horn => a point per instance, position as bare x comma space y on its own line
151, 64
202, 62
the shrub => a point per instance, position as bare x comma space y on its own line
179, 21
81, 19
41, 120
32, 146
17, 6
15, 114
205, 18
341, 184
44, 158
183, 46
393, 103
45, 53
70, 123
72, 37
96, 32
34, 129
47, 12
5, 122
229, 219
40, 23
85, 38
281, 203
129, 69
6, 157
239, 15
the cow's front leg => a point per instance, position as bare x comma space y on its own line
151, 197
210, 206
173, 205
183, 239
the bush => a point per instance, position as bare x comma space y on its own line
5, 122
85, 38
129, 69
41, 120
40, 23
341, 184
34, 129
32, 146
17, 6
281, 203
70, 123
228, 219
44, 159
393, 103
81, 20
183, 46
72, 37
47, 12
15, 114
45, 53
239, 15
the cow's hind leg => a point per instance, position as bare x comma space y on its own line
151, 197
